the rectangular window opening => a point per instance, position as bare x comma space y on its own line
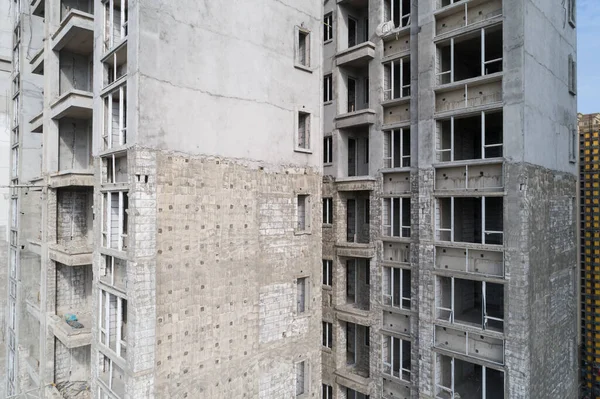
328, 27
327, 272
396, 287
473, 220
301, 295
396, 217
396, 148
327, 334
327, 210
303, 138
328, 88
328, 150
303, 213
303, 55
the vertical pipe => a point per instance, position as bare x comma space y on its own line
121, 108
452, 138
392, 67
483, 135
119, 321
120, 231
451, 219
452, 60
482, 51
452, 300
111, 16
483, 220
109, 122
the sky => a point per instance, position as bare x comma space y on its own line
588, 56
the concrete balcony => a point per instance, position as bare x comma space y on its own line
69, 336
354, 381
472, 344
362, 117
356, 56
355, 250
474, 175
75, 33
37, 62
475, 94
355, 183
37, 123
74, 104
72, 178
38, 7
79, 256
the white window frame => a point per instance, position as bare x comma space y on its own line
109, 267
441, 229
327, 210
16, 109
451, 389
388, 229
392, 7
484, 62
327, 272
109, 37
15, 162
107, 221
327, 392
327, 332
104, 323
328, 150
111, 159
484, 145
389, 68
328, 28
450, 311
389, 159
111, 364
390, 288
328, 88
389, 363
107, 105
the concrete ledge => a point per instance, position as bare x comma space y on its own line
35, 246
396, 101
76, 104
75, 33
72, 178
357, 55
37, 123
355, 250
69, 336
37, 7
77, 257
469, 28
354, 381
356, 118
37, 62
351, 314
355, 183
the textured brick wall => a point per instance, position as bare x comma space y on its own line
228, 256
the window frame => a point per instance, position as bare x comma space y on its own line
303, 219
328, 28
327, 272
304, 144
302, 302
328, 89
328, 150
302, 56
327, 334
327, 210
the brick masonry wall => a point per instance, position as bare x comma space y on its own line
228, 256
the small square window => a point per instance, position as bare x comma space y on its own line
328, 150
327, 334
303, 49
328, 88
327, 272
303, 138
303, 213
328, 27
327, 210
301, 295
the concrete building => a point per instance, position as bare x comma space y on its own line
589, 222
449, 199
167, 195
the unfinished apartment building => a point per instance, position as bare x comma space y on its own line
165, 238
589, 224
449, 213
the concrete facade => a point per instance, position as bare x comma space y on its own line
470, 235
154, 214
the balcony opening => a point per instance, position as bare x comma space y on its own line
66, 6
357, 218
74, 144
115, 118
115, 220
474, 220
112, 323
357, 142
71, 369
470, 55
457, 378
396, 287
396, 79
74, 219
471, 137
396, 357
116, 17
396, 148
74, 293
115, 169
76, 72
357, 349
113, 272
397, 11
355, 84
352, 394
396, 217
474, 303
358, 284
355, 17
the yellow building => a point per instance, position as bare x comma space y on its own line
589, 145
